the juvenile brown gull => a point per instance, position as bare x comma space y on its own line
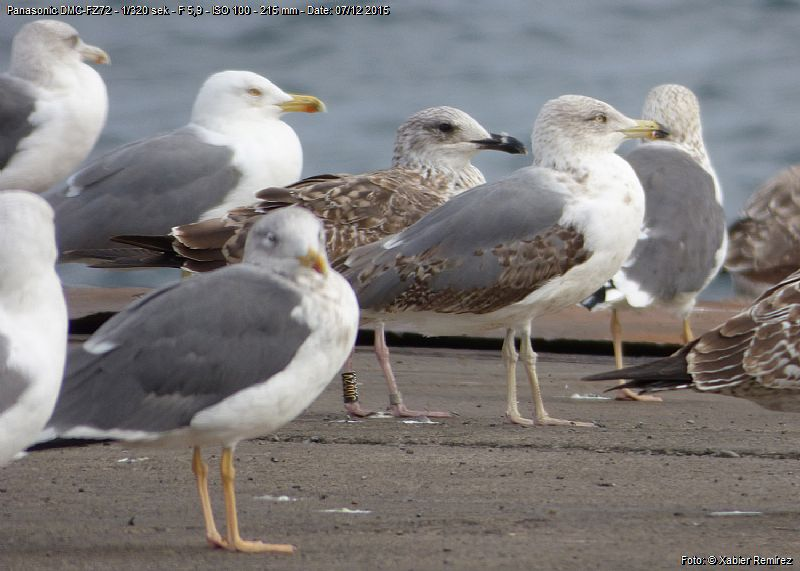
765, 241
683, 239
33, 320
235, 144
52, 105
431, 163
754, 355
501, 254
218, 358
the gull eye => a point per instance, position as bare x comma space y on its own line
255, 92
270, 239
445, 127
601, 118
73, 40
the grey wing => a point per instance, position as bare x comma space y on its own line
684, 224
13, 383
180, 350
483, 249
16, 106
146, 187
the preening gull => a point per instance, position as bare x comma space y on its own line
431, 163
683, 239
234, 145
218, 358
754, 355
33, 320
52, 105
765, 242
500, 254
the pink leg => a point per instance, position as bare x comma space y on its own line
396, 405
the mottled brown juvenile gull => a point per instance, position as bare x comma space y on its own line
683, 239
218, 358
754, 355
234, 145
501, 254
765, 242
33, 320
52, 105
431, 163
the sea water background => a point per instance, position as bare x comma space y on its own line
499, 61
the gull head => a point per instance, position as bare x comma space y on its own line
289, 238
572, 126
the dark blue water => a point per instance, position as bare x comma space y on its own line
499, 61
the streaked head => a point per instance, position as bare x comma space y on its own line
446, 135
44, 44
572, 125
290, 236
677, 108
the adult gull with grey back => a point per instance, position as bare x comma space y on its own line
234, 145
33, 320
221, 357
501, 254
431, 163
683, 239
52, 105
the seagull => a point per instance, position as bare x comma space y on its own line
501, 254
754, 355
683, 239
33, 320
222, 357
765, 241
52, 105
431, 164
234, 145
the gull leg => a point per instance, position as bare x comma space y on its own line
616, 336
200, 470
510, 362
234, 541
687, 334
350, 390
396, 405
528, 357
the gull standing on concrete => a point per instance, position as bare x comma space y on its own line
219, 358
501, 254
754, 355
431, 164
683, 239
33, 320
52, 105
235, 144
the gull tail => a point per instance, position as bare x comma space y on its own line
659, 375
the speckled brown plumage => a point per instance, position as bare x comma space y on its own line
754, 355
764, 243
525, 266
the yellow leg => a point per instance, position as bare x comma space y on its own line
510, 362
616, 339
235, 542
528, 357
687, 334
200, 470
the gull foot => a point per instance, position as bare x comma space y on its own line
400, 411
549, 421
354, 409
252, 546
629, 395
517, 419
